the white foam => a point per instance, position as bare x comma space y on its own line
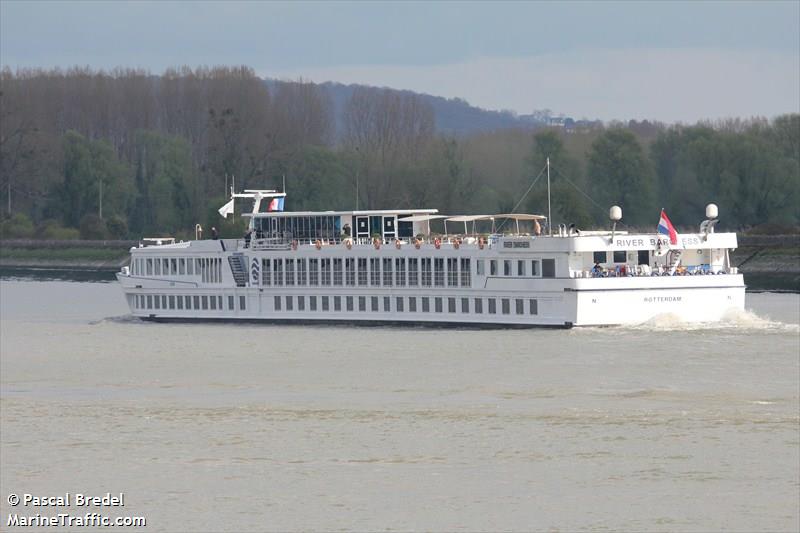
733, 319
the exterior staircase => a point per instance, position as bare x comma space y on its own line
238, 269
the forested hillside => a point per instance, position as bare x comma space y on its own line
156, 151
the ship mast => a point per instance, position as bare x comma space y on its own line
549, 213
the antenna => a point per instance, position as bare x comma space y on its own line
549, 212
284, 184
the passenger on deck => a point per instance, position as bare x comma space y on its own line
247, 237
214, 233
346, 231
597, 270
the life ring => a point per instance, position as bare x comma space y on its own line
376, 242
437, 242
417, 244
348, 243
481, 243
456, 244
397, 244
318, 244
294, 244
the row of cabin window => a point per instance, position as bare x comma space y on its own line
545, 268
181, 302
375, 271
208, 268
334, 303
621, 256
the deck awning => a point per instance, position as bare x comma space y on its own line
521, 216
420, 218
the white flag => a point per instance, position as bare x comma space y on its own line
226, 209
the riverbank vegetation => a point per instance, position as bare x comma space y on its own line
94, 154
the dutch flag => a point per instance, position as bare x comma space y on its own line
665, 227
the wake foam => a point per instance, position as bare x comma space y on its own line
733, 319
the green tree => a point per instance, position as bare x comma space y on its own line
619, 173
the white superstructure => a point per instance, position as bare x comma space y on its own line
386, 266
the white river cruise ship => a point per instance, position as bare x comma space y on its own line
359, 267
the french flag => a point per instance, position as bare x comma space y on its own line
276, 204
665, 227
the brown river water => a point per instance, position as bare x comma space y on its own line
225, 427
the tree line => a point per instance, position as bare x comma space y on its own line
125, 153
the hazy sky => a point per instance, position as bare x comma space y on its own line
611, 60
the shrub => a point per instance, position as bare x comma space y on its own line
19, 226
117, 227
93, 227
52, 230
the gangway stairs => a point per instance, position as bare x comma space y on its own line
238, 269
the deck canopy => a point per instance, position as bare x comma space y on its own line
475, 218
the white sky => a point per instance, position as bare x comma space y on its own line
675, 61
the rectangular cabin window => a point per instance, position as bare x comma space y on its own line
276, 303
398, 304
506, 267
337, 303
362, 303
173, 263
362, 271
643, 257
413, 271
157, 302
204, 302
506, 306
149, 301
480, 269
492, 306
426, 304
171, 301
181, 266
451, 305
325, 271
337, 271
620, 256
163, 301
374, 302
400, 271
548, 268
230, 303
213, 303
437, 304
242, 303
277, 272
387, 304
452, 271
374, 271
301, 303
438, 271
465, 305
290, 272
412, 304
426, 272
326, 303
165, 269
478, 306
466, 272
179, 302
302, 278
197, 302
198, 267
312, 303
600, 257
350, 272
219, 302
157, 270
188, 302
535, 268
387, 271
520, 268
533, 307
190, 267
149, 267
348, 301
493, 267
289, 303
266, 272
313, 272
520, 304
